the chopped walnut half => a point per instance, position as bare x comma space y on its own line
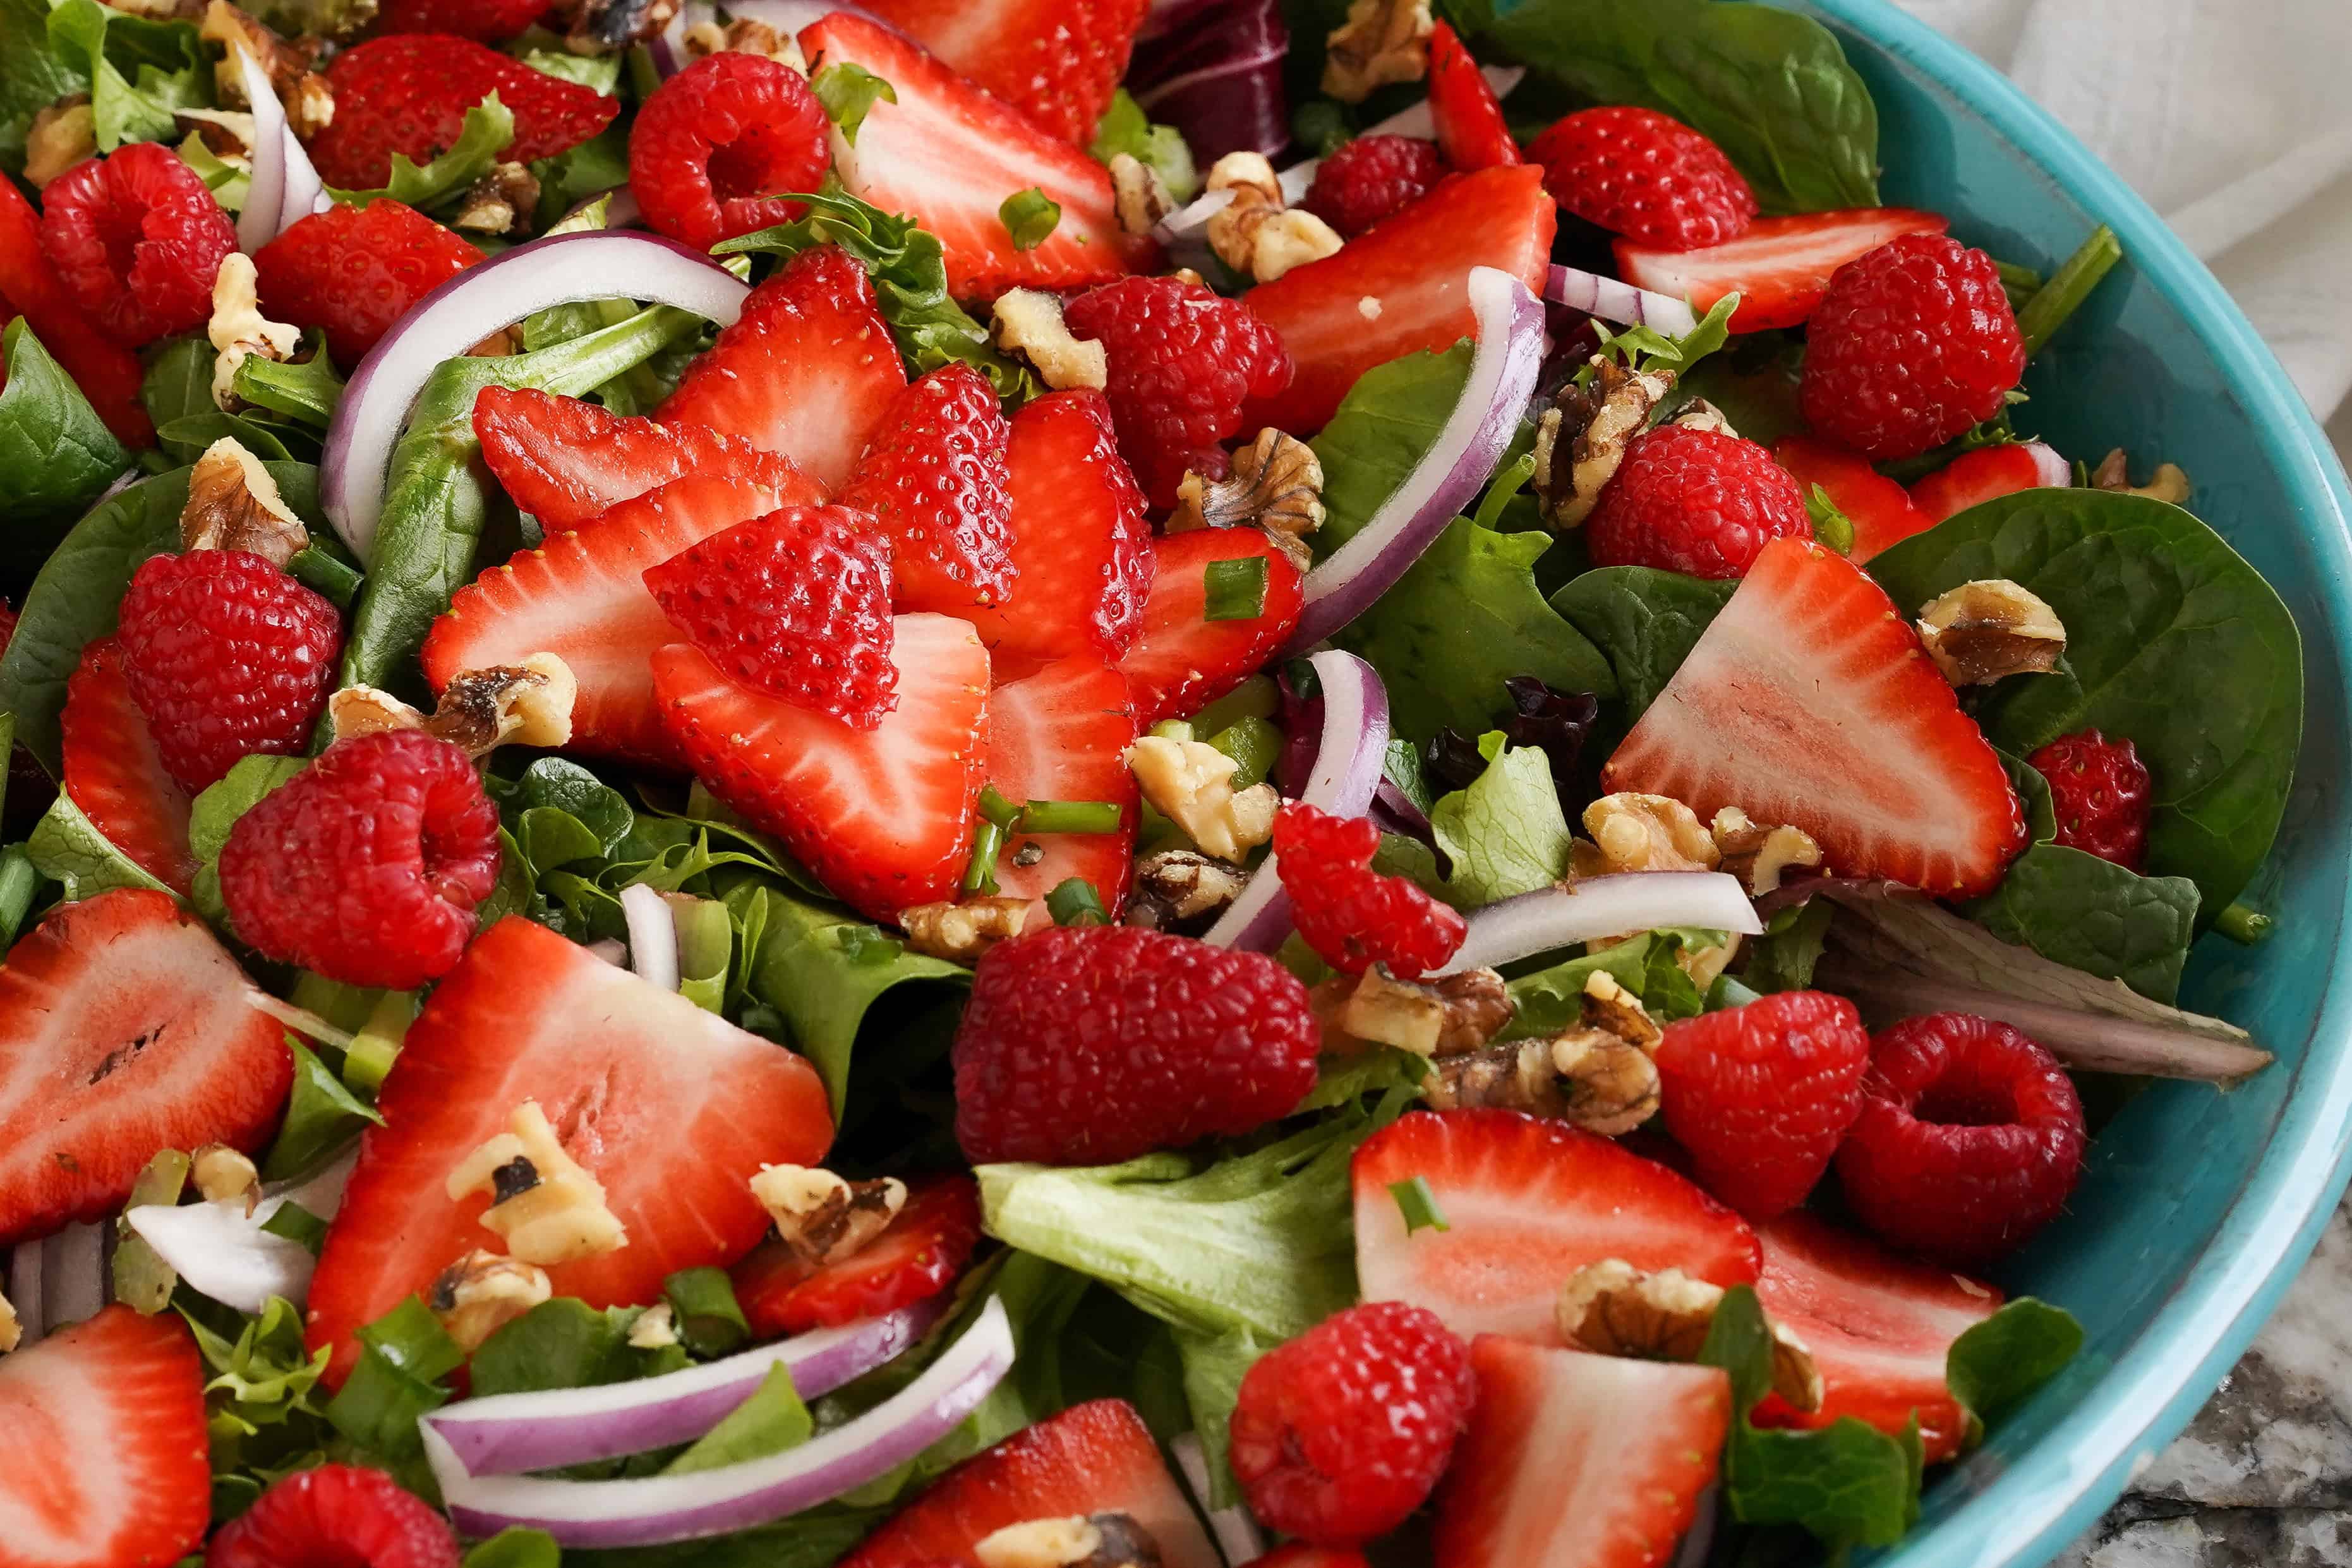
226, 134
1760, 855
226, 1176
656, 1328
1649, 833
482, 1292
1611, 1308
12, 1332
548, 1207
233, 504
1028, 322
238, 329
1983, 631
309, 102
1382, 41
529, 704
609, 27
1609, 1006
1444, 1017
1699, 414
960, 933
744, 35
1254, 234
2168, 484
1277, 484
821, 1216
1178, 886
1101, 1540
1581, 438
1141, 195
1587, 1076
1191, 783
63, 135
500, 202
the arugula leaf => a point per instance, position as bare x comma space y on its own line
69, 849
1645, 622
168, 69
33, 76
1995, 1364
263, 1408
306, 389
489, 128
1642, 349
1506, 833
322, 1116
56, 454
849, 93
1551, 1001
771, 1421
1125, 128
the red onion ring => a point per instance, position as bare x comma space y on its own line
653, 936
2051, 471
1553, 918
1613, 300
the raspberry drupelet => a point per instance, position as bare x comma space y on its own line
1352, 916
1695, 501
336, 1516
2100, 793
137, 238
716, 140
1760, 1095
1372, 178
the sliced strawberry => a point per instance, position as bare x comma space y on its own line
1975, 477
408, 93
115, 774
1779, 268
1081, 548
1306, 1555
1063, 734
1808, 701
564, 459
112, 1468
883, 816
1879, 509
581, 597
1578, 1461
1530, 1201
107, 374
1400, 288
1879, 1326
673, 1109
934, 478
921, 1253
1183, 661
1058, 59
1098, 1458
950, 154
1471, 130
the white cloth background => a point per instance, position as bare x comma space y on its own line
2234, 119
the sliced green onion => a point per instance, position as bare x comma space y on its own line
1069, 817
1255, 746
709, 1319
1172, 730
995, 808
377, 1044
2020, 283
1235, 589
2068, 287
1419, 1206
18, 884
987, 844
1257, 698
1030, 216
2245, 924
706, 948
1075, 903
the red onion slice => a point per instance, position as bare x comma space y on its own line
561, 269
1240, 1541
1552, 918
651, 1509
2051, 471
1502, 378
1621, 302
265, 189
74, 1280
653, 936
510, 1433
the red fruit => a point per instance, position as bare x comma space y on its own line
1400, 288
795, 604
1088, 1045
808, 370
116, 777
1646, 176
715, 144
1096, 1458
1808, 701
1340, 1433
124, 1028
1058, 59
366, 866
1696, 501
227, 655
1306, 1555
484, 21
136, 237
1592, 1461
409, 93
1471, 130
933, 475
1352, 916
107, 374
1879, 509
1063, 734
564, 459
2099, 791
1975, 477
1081, 548
1372, 178
1760, 1095
883, 816
1182, 661
583, 598
1913, 345
950, 154
1971, 1138
1879, 1327
112, 1467
352, 272
1779, 268
670, 1107
919, 1256
334, 1515
1182, 364
1530, 1202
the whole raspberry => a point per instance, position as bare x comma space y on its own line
227, 655
1646, 176
1760, 1095
1086, 1046
484, 21
1695, 501
715, 144
1341, 1432
136, 237
352, 272
1352, 916
1969, 1140
1182, 362
1912, 345
1372, 178
2101, 794
336, 1516
408, 93
366, 866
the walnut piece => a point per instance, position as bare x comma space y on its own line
226, 1176
233, 504
1611, 1308
1182, 885
2168, 484
960, 933
1141, 195
529, 704
500, 202
743, 35
656, 1328
1277, 484
60, 136
1649, 833
1609, 1006
1382, 41
308, 101
821, 1216
1254, 234
1759, 855
548, 1209
1190, 784
1581, 438
1101, 1540
1982, 632
1587, 1076
1444, 1017
1028, 322
1699, 414
609, 27
481, 1293
238, 329
12, 1332
226, 134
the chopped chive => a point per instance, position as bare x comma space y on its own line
323, 574
987, 844
2068, 287
1068, 816
1504, 488
1257, 698
1075, 903
1235, 589
1255, 745
996, 808
1831, 525
2020, 283
1030, 216
18, 883
2245, 924
848, 93
1419, 1206
1172, 730
709, 1319
1728, 992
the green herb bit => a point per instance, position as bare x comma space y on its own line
996, 808
296, 1224
709, 1319
325, 574
848, 92
987, 844
1235, 589
1030, 216
1645, 349
1068, 816
2068, 287
1320, 124
2245, 924
19, 883
1257, 698
1075, 903
1504, 488
1831, 525
1418, 1204
2020, 283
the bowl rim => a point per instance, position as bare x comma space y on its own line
2061, 1486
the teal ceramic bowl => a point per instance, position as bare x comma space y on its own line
2197, 1208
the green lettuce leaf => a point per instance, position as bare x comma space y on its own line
1782, 959
306, 389
139, 69
1551, 1000
489, 128
322, 1116
563, 1343
1506, 833
33, 75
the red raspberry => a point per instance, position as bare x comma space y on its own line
1372, 178
1694, 501
1912, 344
336, 1516
484, 21
408, 93
227, 655
1969, 1140
714, 143
1182, 362
1339, 1433
136, 237
366, 866
1086, 1046
352, 272
1760, 1095
1642, 174
2101, 791
934, 475
1352, 916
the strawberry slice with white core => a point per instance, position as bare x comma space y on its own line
1779, 268
1062, 735
1183, 661
1810, 701
1987, 474
1528, 1203
565, 459
116, 777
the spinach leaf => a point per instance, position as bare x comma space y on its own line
517, 1545
183, 440
1645, 622
179, 381
2095, 916
33, 76
1995, 1364
771, 1421
1389, 419
562, 1343
56, 454
1753, 381
489, 127
321, 1116
69, 849
1506, 833
215, 812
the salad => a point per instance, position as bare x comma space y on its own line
1052, 785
